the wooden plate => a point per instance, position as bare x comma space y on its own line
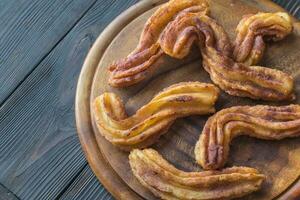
278, 160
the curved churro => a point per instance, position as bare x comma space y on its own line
264, 122
167, 182
139, 64
155, 118
184, 24
235, 78
252, 30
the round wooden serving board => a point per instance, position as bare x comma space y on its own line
278, 160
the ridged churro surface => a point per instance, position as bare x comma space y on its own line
154, 118
235, 78
264, 122
178, 25
277, 160
138, 65
167, 182
254, 29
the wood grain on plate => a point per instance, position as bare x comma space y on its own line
278, 160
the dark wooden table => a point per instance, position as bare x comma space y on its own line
43, 44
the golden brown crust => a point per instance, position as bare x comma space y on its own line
154, 118
235, 78
264, 122
167, 182
139, 64
177, 25
252, 30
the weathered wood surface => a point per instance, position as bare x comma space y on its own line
86, 186
5, 194
29, 31
278, 160
40, 153
35, 134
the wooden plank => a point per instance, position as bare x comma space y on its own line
28, 31
5, 194
293, 6
87, 187
39, 150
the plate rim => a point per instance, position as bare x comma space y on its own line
100, 167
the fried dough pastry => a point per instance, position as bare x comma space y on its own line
138, 65
155, 118
263, 122
167, 182
252, 30
177, 25
237, 79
